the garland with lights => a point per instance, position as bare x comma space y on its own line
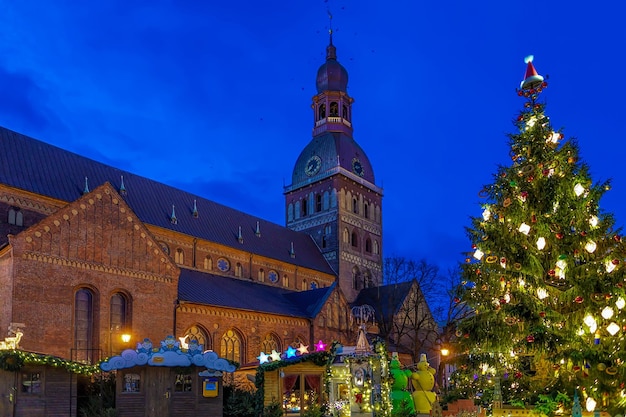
13, 360
321, 358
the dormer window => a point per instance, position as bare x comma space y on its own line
16, 217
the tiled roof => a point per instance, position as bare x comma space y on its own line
386, 299
215, 290
41, 168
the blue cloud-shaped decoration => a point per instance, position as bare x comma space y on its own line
162, 357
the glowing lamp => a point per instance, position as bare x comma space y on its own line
479, 254
542, 293
620, 303
125, 338
613, 328
607, 312
610, 266
554, 138
445, 351
541, 243
589, 320
590, 405
579, 190
524, 228
486, 214
591, 246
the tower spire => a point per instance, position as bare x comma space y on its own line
331, 51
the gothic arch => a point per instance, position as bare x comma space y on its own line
198, 333
232, 345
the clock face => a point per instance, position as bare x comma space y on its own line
357, 167
313, 165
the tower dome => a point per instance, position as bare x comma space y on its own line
331, 76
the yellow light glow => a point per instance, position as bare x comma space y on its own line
591, 246
593, 221
590, 405
607, 312
125, 338
445, 351
613, 328
579, 189
589, 320
541, 243
524, 228
542, 293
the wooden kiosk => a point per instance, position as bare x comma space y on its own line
168, 380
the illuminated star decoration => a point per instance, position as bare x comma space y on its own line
291, 352
275, 355
320, 346
263, 358
303, 349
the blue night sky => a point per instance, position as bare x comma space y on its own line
214, 97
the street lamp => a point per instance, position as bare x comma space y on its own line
125, 338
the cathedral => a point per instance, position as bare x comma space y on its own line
94, 259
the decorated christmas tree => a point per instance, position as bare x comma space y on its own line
544, 279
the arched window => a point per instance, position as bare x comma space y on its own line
334, 109
290, 212
322, 111
304, 207
333, 198
375, 248
355, 205
285, 281
16, 217
230, 346
303, 285
84, 327
366, 210
120, 313
346, 236
269, 343
367, 279
238, 270
200, 335
261, 275
326, 200
179, 256
356, 278
324, 243
344, 112
318, 203
296, 210
208, 263
354, 240
368, 245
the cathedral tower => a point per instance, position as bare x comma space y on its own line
333, 196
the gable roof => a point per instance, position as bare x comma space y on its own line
44, 169
215, 290
386, 299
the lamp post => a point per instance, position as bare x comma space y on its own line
125, 338
444, 352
